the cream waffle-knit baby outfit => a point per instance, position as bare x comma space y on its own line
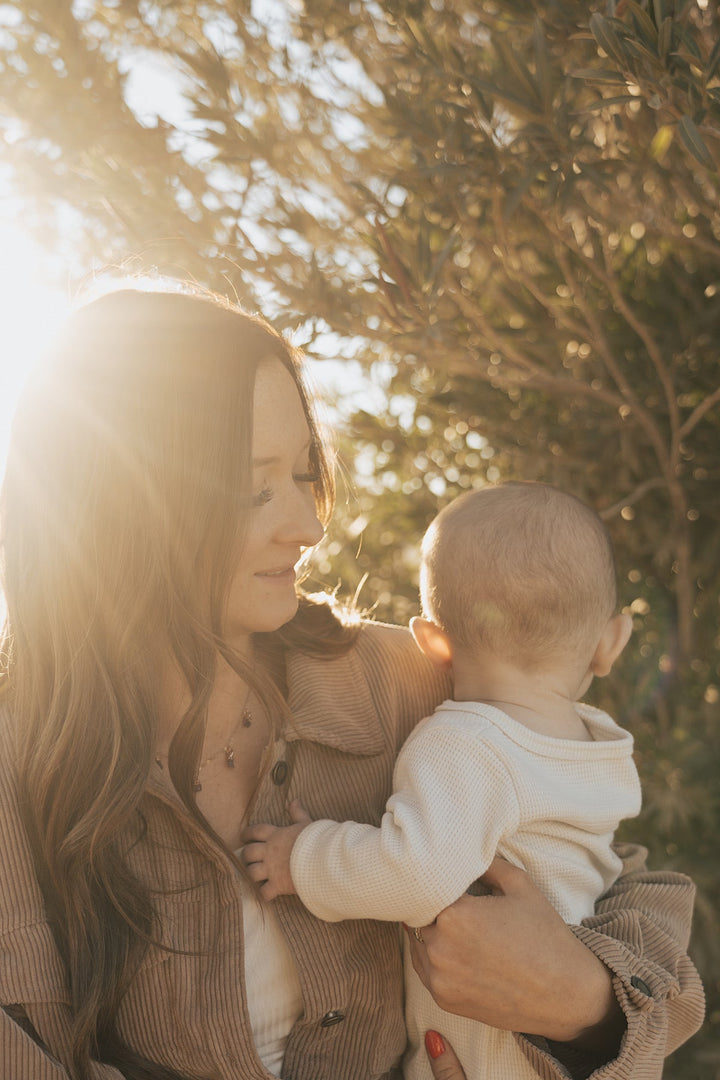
469, 783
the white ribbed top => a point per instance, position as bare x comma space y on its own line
274, 999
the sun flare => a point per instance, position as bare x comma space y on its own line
30, 312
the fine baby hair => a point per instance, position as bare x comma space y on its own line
520, 569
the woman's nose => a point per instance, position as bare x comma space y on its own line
302, 524
315, 531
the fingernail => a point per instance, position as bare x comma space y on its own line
434, 1044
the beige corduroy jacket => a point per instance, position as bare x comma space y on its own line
187, 1008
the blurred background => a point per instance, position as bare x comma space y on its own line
494, 227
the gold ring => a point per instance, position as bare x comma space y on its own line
418, 935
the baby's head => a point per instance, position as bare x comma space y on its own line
521, 571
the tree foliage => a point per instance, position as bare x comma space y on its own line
514, 211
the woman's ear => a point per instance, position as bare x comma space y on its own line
612, 641
433, 641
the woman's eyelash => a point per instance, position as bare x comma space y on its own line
263, 496
266, 494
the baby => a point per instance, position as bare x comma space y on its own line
518, 593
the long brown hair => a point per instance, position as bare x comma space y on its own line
122, 517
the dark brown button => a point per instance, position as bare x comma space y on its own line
279, 773
332, 1017
641, 985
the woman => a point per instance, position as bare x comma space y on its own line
163, 685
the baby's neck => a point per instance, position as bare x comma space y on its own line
539, 703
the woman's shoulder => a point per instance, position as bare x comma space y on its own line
389, 644
380, 673
389, 635
368, 644
395, 668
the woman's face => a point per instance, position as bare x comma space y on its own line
283, 521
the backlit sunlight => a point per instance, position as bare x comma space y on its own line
30, 312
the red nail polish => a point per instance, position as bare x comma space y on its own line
434, 1044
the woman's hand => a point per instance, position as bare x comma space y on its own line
508, 960
443, 1059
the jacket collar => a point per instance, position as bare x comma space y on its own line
331, 703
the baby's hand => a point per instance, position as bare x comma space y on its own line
267, 849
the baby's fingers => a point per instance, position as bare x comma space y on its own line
253, 854
268, 891
257, 872
298, 814
256, 833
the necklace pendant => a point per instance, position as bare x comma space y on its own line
197, 786
229, 757
246, 718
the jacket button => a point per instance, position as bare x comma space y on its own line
641, 985
279, 773
332, 1017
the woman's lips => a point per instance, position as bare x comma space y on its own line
283, 574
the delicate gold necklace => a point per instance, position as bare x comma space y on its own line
227, 749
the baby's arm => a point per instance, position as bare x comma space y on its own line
453, 800
449, 784
267, 850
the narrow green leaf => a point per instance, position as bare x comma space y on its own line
643, 22
713, 61
422, 37
598, 75
648, 55
692, 46
683, 63
665, 38
660, 12
694, 142
542, 65
608, 39
484, 86
512, 64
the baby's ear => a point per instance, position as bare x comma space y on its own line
613, 640
433, 641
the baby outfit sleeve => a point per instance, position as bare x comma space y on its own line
453, 800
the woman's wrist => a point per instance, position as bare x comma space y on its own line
602, 1039
594, 1027
592, 1018
591, 1003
